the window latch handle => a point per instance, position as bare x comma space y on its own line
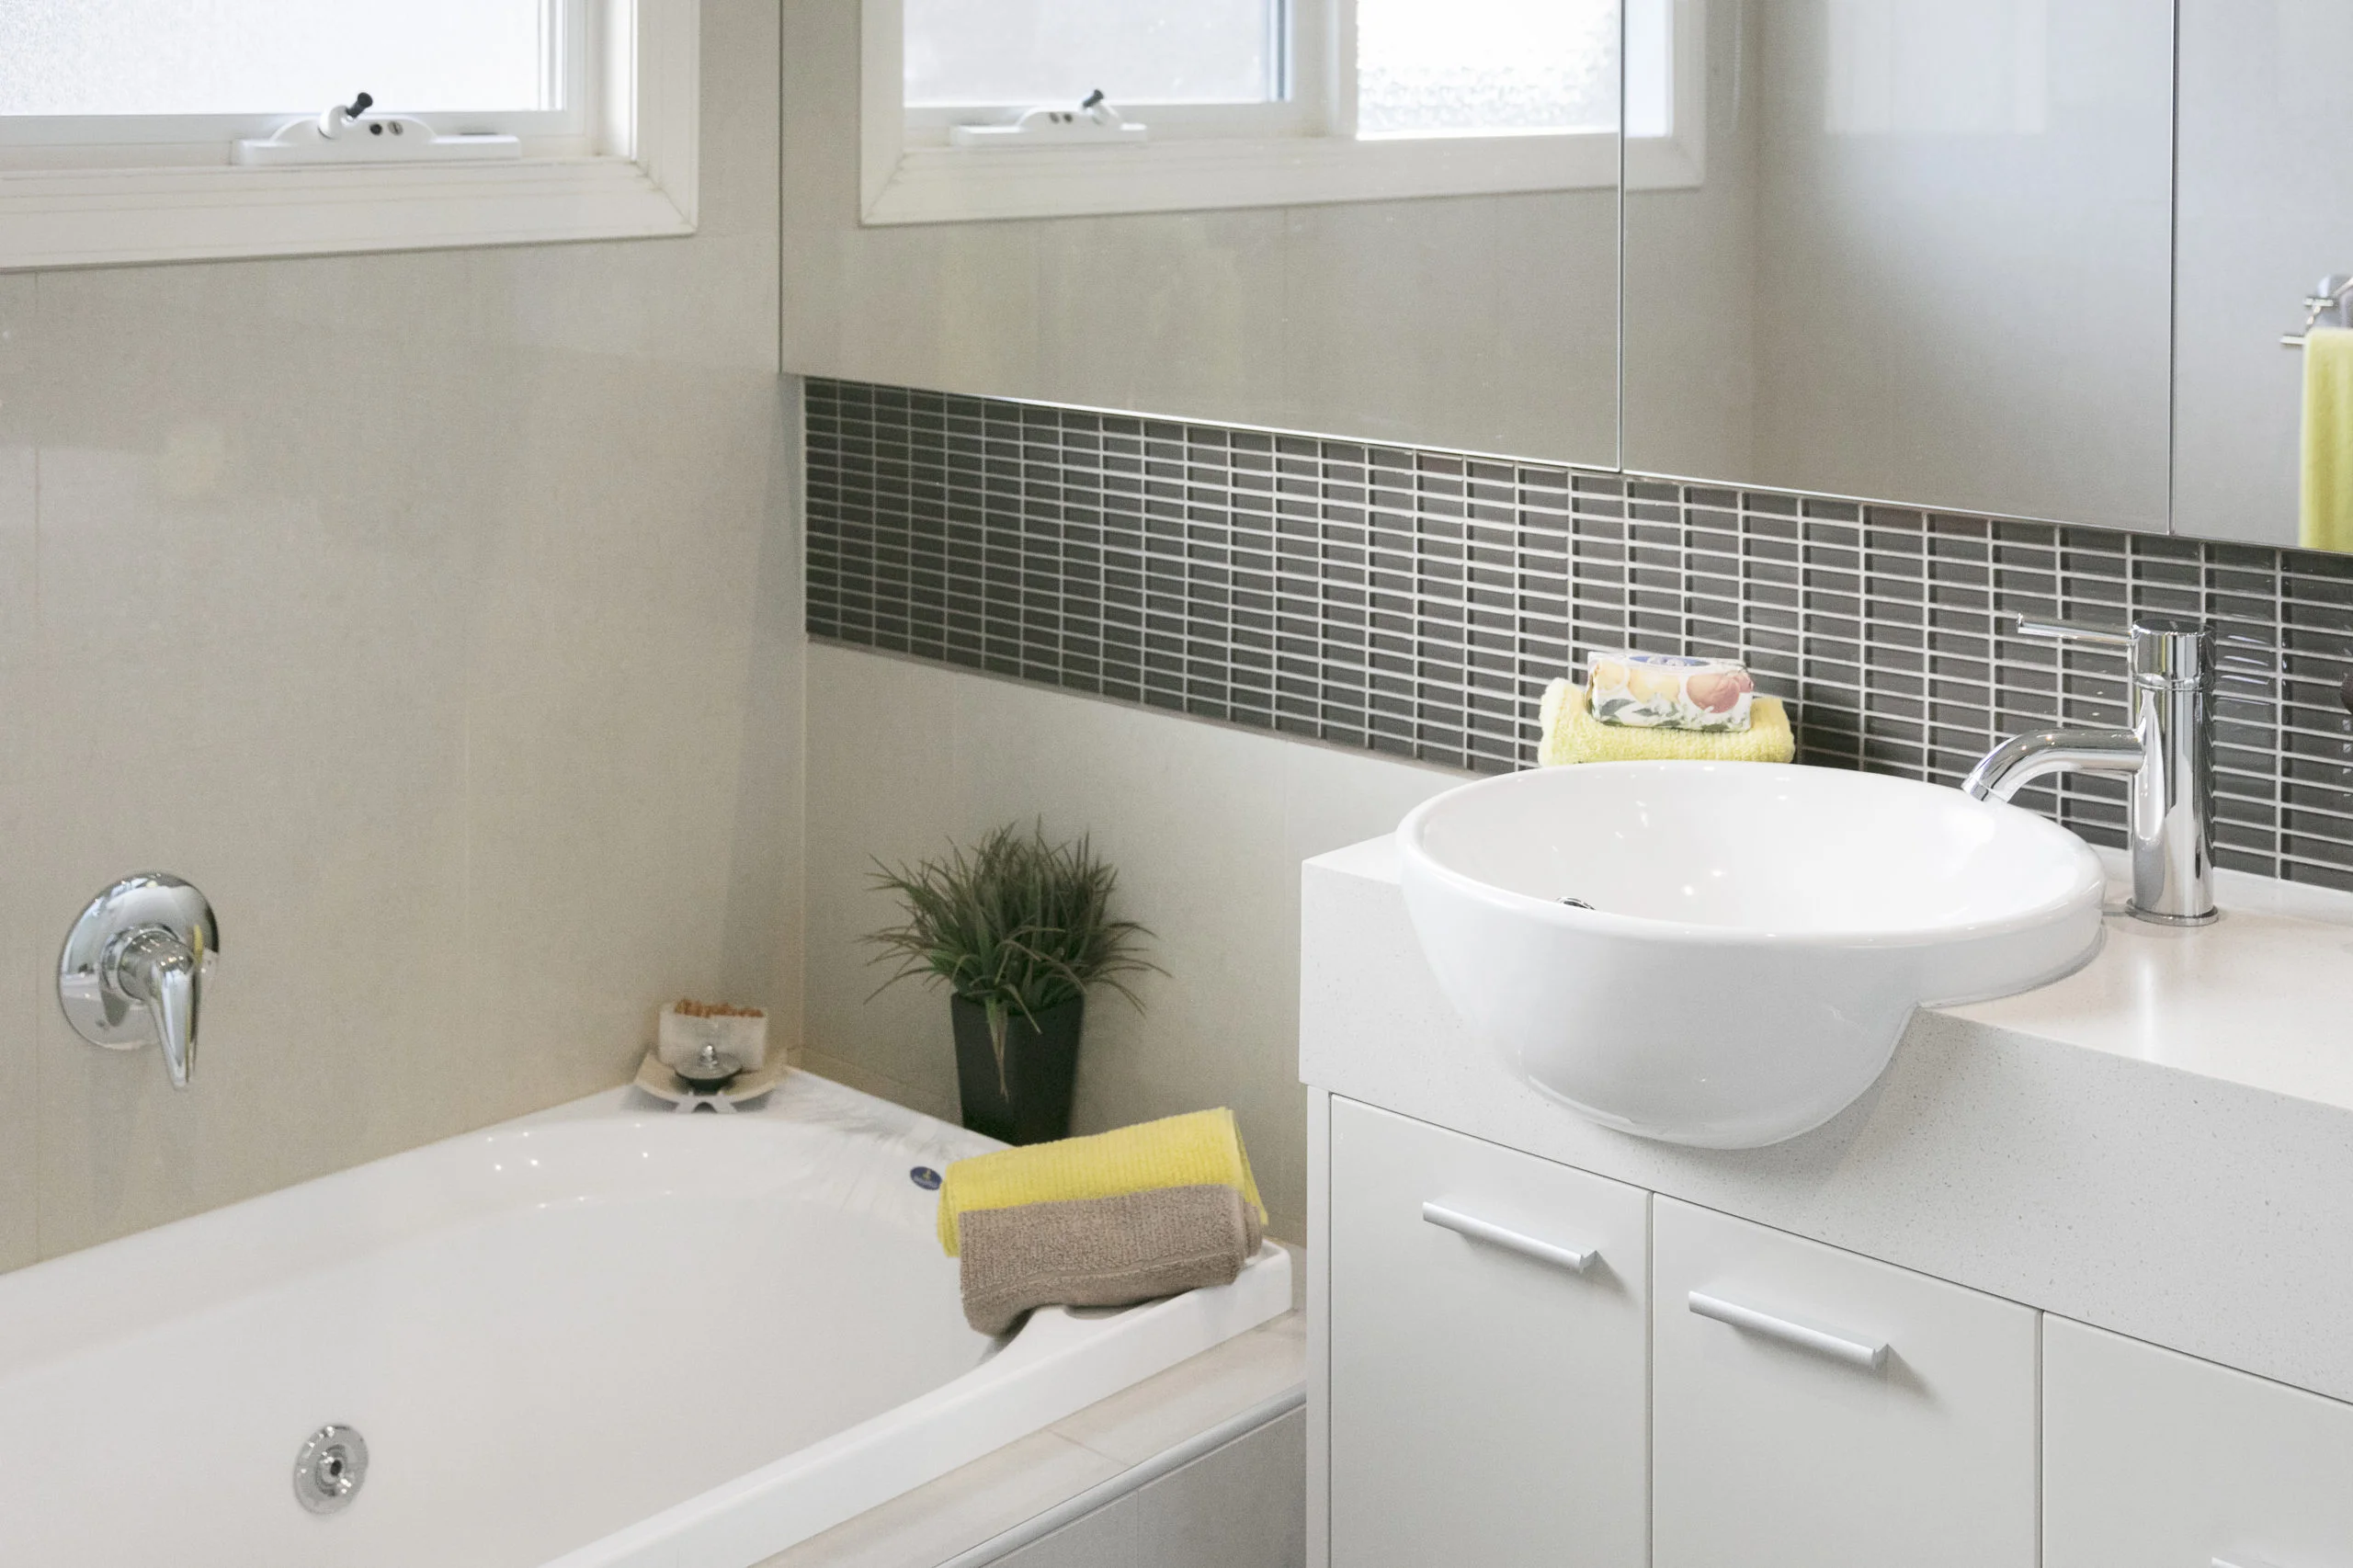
337, 116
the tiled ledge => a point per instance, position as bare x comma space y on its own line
976, 1515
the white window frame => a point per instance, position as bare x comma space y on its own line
628, 169
909, 174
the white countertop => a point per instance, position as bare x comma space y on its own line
2160, 1144
2263, 996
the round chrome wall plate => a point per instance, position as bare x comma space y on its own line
99, 1012
329, 1470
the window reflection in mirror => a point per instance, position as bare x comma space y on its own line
1383, 219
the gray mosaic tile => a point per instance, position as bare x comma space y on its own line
1416, 602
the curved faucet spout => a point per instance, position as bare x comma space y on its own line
2020, 760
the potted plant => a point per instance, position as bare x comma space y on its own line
1019, 928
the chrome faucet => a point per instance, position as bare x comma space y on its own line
2167, 755
134, 966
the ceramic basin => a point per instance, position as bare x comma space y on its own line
1757, 937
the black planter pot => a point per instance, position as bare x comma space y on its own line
1030, 1102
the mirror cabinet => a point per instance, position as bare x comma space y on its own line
2053, 259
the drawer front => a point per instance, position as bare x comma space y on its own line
1486, 1393
2155, 1460
1821, 1410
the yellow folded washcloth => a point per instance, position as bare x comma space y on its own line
1572, 734
2327, 520
1203, 1148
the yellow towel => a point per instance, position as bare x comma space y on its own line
2327, 522
1201, 1148
1572, 734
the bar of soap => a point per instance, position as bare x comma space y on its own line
1667, 692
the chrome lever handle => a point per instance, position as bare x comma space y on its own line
133, 970
1462, 1225
1869, 1354
2168, 651
151, 964
2074, 631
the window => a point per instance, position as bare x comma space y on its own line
1229, 103
132, 59
961, 54
123, 124
1486, 67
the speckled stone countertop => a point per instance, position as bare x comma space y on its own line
2161, 1143
2262, 997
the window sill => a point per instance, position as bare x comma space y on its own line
113, 217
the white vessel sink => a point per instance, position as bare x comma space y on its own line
1757, 938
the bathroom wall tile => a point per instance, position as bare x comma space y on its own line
1242, 1506
902, 801
1205, 823
434, 614
1421, 599
21, 937
253, 643
609, 628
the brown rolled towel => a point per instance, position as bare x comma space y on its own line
1100, 1252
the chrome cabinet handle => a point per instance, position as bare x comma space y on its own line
1867, 1353
2250, 1562
1488, 1230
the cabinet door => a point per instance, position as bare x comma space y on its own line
1487, 1393
1814, 1409
2154, 1459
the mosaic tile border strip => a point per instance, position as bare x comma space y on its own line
1416, 602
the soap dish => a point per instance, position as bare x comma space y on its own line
742, 1089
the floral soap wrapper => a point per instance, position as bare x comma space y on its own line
1663, 691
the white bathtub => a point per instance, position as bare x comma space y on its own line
601, 1337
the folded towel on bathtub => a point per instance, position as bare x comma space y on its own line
1203, 1148
1101, 1252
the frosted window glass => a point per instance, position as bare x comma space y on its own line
111, 57
1026, 53
1469, 67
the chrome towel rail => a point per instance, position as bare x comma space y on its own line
2328, 305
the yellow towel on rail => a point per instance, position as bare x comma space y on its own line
1572, 734
1203, 1148
2327, 522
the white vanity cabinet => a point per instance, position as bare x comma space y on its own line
1526, 1363
1488, 1339
2156, 1460
1815, 1409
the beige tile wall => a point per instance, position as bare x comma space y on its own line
435, 615
1206, 823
